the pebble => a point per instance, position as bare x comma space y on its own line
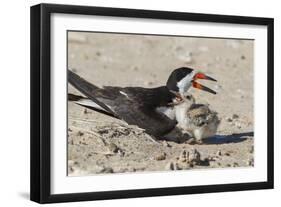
113, 148
132, 169
85, 111
169, 166
215, 158
166, 144
194, 157
235, 164
79, 133
121, 153
251, 149
172, 166
83, 142
250, 162
235, 116
227, 154
238, 125
148, 83
243, 57
218, 153
183, 156
106, 170
211, 158
229, 119
161, 156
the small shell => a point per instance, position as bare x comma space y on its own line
218, 153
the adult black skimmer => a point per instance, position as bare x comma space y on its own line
136, 105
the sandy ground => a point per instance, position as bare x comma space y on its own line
100, 144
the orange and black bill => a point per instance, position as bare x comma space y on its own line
200, 86
203, 76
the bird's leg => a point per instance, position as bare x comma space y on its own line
189, 137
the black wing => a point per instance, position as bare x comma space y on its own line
136, 106
86, 88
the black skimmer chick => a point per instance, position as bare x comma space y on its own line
197, 120
137, 105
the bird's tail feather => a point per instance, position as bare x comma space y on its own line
88, 90
88, 103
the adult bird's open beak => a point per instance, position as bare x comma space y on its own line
200, 86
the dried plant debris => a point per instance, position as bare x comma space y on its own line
119, 130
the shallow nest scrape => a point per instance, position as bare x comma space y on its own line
110, 147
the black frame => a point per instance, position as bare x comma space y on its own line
40, 102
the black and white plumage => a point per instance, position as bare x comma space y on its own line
148, 108
181, 79
135, 105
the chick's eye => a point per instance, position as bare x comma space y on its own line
188, 97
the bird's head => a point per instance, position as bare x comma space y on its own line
181, 79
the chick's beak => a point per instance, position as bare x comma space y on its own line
200, 86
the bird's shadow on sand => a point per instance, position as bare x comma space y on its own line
226, 139
177, 136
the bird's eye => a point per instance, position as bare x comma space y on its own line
188, 97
